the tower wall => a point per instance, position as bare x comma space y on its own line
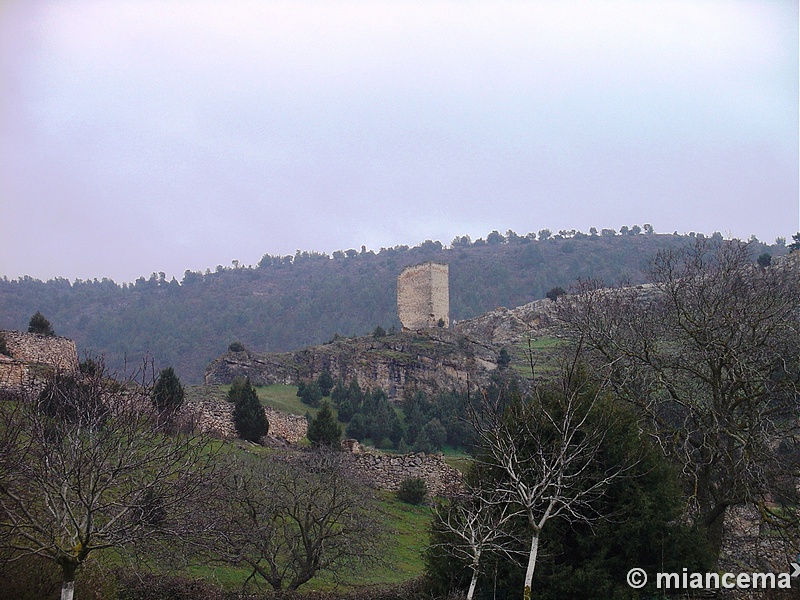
423, 296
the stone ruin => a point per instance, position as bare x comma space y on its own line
215, 416
32, 351
423, 296
376, 469
388, 471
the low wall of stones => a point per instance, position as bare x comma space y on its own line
291, 428
387, 471
210, 416
55, 351
216, 418
748, 546
13, 373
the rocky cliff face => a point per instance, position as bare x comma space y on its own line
430, 360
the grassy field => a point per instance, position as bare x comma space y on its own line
278, 396
408, 537
542, 350
407, 524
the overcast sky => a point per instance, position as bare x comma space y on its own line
142, 136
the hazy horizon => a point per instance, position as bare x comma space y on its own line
140, 137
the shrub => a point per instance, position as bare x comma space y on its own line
412, 491
236, 347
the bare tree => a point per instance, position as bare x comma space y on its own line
476, 526
542, 451
92, 471
708, 352
290, 518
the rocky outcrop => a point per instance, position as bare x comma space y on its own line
504, 326
430, 360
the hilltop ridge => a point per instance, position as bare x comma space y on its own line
286, 303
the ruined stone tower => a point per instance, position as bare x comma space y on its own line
423, 296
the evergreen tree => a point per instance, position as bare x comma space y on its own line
325, 382
323, 429
236, 347
309, 393
412, 491
38, 324
248, 414
357, 428
503, 359
168, 393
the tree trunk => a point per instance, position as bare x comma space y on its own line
472, 583
531, 565
714, 523
68, 580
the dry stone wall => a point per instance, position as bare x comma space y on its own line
210, 416
284, 426
215, 416
13, 373
29, 351
55, 351
748, 546
388, 471
423, 296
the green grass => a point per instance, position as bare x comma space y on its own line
284, 398
542, 349
278, 396
407, 540
457, 458
408, 526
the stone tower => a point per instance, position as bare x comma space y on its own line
423, 296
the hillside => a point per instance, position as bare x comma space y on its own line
285, 303
431, 360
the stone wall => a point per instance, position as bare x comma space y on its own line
31, 350
284, 426
387, 471
423, 296
748, 546
215, 416
54, 351
210, 416
13, 373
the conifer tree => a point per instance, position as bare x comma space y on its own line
168, 393
39, 324
323, 429
248, 414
